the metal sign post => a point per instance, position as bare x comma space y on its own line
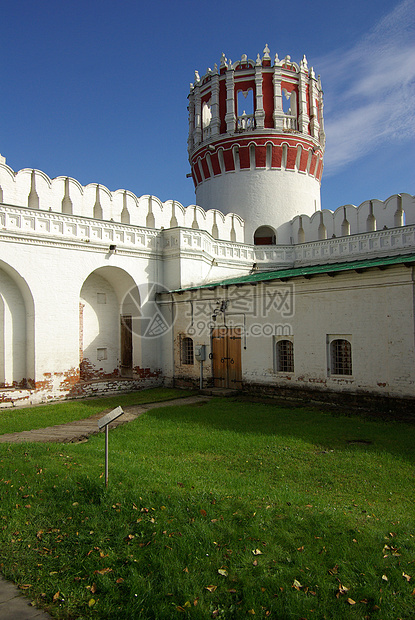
105, 421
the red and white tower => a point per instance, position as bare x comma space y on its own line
265, 163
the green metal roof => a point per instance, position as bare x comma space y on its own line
306, 272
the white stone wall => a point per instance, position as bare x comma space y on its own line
34, 189
374, 310
262, 197
372, 215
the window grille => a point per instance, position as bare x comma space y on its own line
341, 357
187, 351
285, 356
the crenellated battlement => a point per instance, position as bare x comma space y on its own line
34, 189
371, 215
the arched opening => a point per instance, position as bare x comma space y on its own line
265, 235
109, 324
245, 110
17, 368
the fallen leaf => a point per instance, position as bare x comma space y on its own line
384, 577
300, 548
223, 572
119, 580
297, 585
255, 563
257, 551
203, 512
94, 588
56, 596
407, 577
91, 602
211, 588
351, 601
103, 571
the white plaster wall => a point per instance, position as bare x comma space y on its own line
55, 276
261, 197
373, 309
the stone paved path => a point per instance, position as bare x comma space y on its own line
82, 429
13, 604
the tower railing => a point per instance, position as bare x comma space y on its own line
289, 123
246, 122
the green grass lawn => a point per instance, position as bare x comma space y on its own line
225, 510
30, 418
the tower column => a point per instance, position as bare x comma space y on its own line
278, 109
303, 118
259, 112
197, 134
191, 109
215, 122
230, 100
314, 124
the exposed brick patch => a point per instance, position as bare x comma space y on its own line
46, 384
145, 373
89, 372
70, 378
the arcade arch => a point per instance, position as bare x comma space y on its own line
109, 325
17, 367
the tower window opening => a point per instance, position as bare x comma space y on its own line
206, 115
245, 110
289, 106
265, 235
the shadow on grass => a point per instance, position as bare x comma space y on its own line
323, 428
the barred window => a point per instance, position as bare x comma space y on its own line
187, 351
341, 357
285, 356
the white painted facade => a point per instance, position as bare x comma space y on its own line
101, 291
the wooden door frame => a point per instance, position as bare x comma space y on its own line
226, 334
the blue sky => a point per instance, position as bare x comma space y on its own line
97, 90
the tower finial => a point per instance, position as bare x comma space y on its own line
266, 55
197, 77
223, 61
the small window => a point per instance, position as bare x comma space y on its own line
285, 356
187, 351
341, 357
102, 354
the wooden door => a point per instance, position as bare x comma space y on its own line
226, 357
234, 358
126, 345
